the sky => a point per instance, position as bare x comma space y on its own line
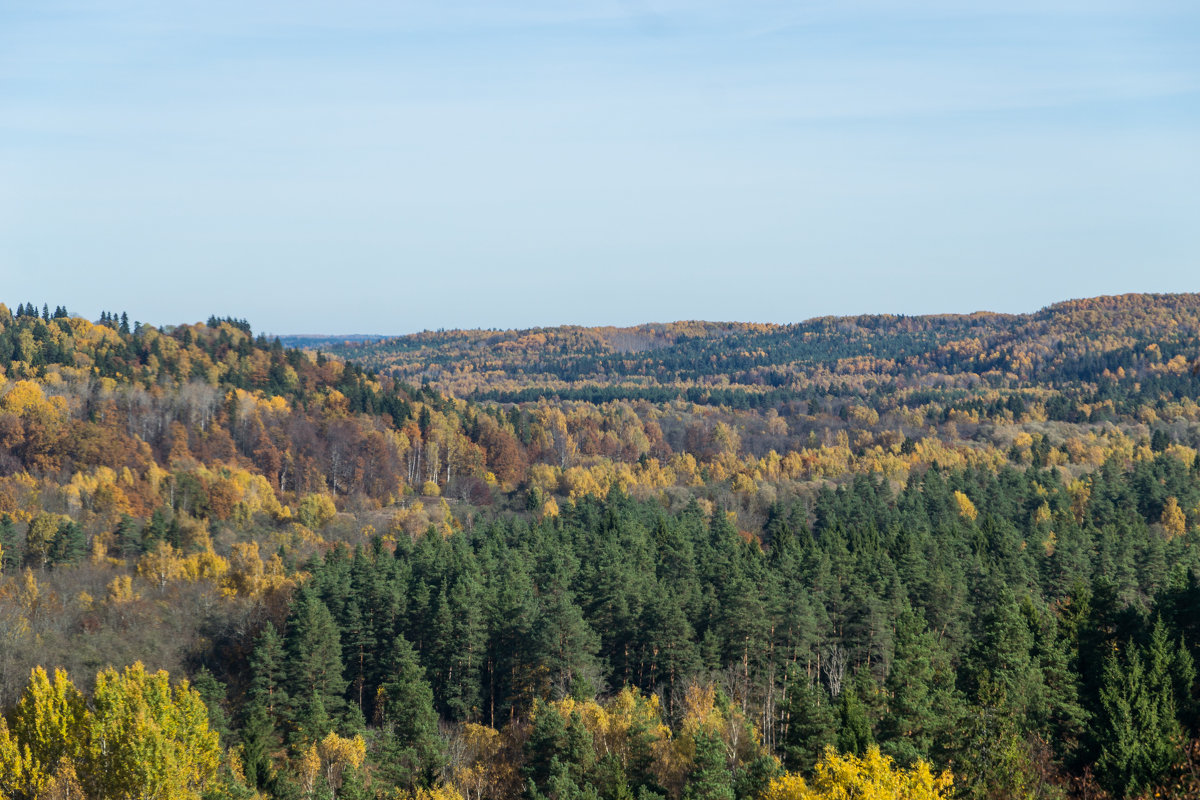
390, 167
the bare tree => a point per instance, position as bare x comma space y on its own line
834, 667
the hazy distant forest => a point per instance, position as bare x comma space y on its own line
865, 557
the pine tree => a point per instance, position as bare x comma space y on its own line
920, 687
565, 646
509, 664
311, 721
212, 692
672, 655
545, 745
1003, 659
414, 751
128, 535
358, 647
68, 546
854, 727
461, 695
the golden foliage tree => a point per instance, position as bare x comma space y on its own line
872, 777
138, 738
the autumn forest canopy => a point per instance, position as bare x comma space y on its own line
951, 556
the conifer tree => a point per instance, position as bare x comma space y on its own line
313, 667
545, 745
267, 675
413, 749
68, 546
9, 556
920, 689
212, 692
854, 726
811, 723
709, 777
1139, 732
258, 739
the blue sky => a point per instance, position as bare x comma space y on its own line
393, 166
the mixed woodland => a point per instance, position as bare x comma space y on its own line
871, 557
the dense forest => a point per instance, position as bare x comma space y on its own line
871, 557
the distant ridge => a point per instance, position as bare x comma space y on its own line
314, 341
769, 362
651, 334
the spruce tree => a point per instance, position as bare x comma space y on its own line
811, 723
313, 667
1138, 731
267, 675
709, 778
258, 739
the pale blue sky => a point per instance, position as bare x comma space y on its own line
393, 166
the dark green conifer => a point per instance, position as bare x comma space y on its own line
313, 666
413, 749
920, 691
854, 726
258, 739
811, 723
710, 777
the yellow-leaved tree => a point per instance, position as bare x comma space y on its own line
336, 755
872, 777
137, 737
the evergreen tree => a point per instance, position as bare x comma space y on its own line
258, 739
128, 535
920, 689
811, 726
670, 644
313, 666
709, 777
565, 646
68, 546
546, 743
461, 696
358, 648
10, 558
1002, 658
310, 719
509, 666
413, 749
267, 673
212, 692
1138, 732
854, 726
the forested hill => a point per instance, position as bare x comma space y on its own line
878, 557
1073, 341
